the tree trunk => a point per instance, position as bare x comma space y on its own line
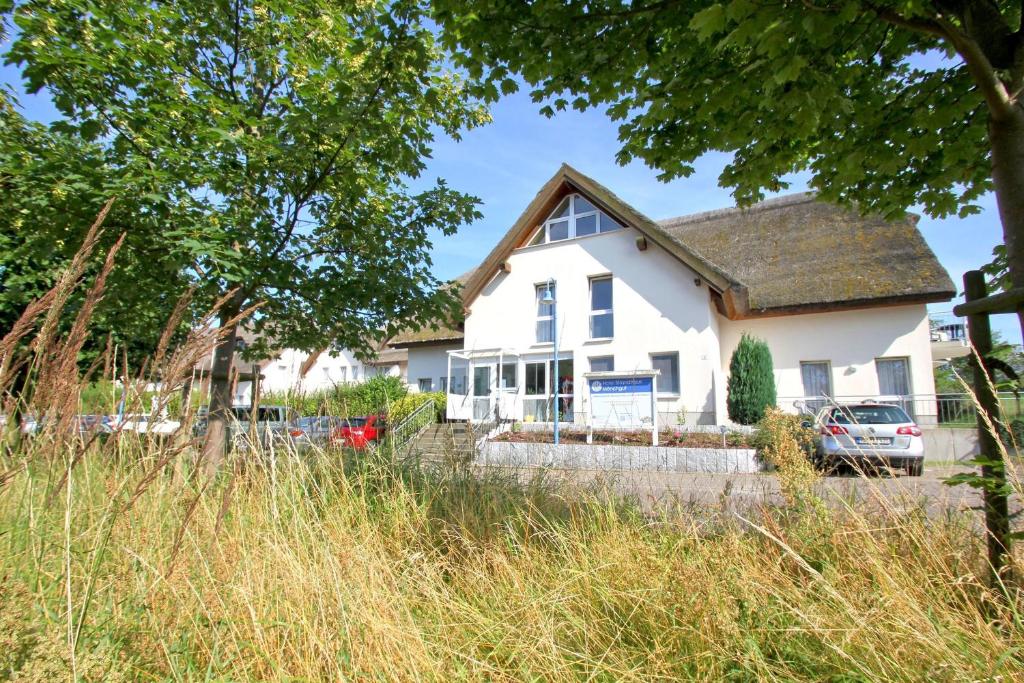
993, 472
218, 423
1006, 135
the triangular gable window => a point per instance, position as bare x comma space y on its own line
574, 217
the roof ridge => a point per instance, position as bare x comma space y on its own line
764, 205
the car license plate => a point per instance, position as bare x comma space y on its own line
873, 441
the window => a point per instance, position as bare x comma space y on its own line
668, 365
894, 380
602, 323
342, 374
508, 375
893, 376
457, 383
444, 384
482, 380
536, 379
817, 380
602, 363
574, 217
425, 384
545, 315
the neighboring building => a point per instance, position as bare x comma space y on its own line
291, 370
839, 297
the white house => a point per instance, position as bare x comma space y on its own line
291, 370
840, 299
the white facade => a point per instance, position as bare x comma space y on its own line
851, 343
284, 373
429, 364
657, 309
660, 309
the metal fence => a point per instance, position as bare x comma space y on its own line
926, 409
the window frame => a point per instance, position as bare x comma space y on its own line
603, 311
828, 370
503, 377
428, 380
678, 373
608, 357
526, 378
550, 317
597, 212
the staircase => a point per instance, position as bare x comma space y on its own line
448, 442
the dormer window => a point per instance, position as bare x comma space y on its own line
574, 217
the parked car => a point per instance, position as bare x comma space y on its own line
870, 435
273, 424
142, 424
316, 430
360, 433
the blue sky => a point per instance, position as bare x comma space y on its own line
506, 162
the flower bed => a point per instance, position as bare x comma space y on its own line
680, 439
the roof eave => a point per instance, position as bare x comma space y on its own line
852, 304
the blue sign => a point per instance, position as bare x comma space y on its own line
622, 385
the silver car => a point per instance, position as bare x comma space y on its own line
869, 435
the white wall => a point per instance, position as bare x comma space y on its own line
657, 307
430, 361
849, 340
282, 374
330, 369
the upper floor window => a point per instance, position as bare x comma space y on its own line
545, 315
601, 317
574, 217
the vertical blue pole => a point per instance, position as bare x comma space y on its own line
554, 321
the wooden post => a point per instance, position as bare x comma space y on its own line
996, 505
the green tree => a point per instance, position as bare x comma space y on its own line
52, 186
295, 128
950, 376
751, 384
889, 104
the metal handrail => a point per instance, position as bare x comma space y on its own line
950, 408
413, 425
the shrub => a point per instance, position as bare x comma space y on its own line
751, 386
405, 406
783, 441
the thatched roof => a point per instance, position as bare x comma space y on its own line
799, 254
388, 356
793, 254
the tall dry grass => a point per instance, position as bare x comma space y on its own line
117, 564
324, 569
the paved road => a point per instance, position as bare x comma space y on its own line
656, 490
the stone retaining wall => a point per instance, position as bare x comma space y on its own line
618, 457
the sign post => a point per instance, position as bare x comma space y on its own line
624, 400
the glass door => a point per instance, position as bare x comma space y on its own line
562, 384
482, 392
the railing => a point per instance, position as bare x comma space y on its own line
413, 425
956, 410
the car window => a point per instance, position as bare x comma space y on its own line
355, 422
878, 415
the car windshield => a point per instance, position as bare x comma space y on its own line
355, 422
877, 415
